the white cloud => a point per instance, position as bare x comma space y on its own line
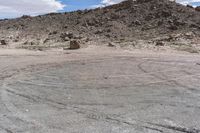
185, 2
106, 3
110, 2
16, 8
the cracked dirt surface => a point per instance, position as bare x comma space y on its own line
99, 91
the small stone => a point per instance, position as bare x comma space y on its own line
67, 35
16, 40
173, 27
66, 39
99, 31
137, 22
46, 40
3, 42
160, 43
111, 44
189, 34
53, 33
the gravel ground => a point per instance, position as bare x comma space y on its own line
106, 91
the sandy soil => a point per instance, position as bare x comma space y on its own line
99, 90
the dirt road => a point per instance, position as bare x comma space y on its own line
99, 91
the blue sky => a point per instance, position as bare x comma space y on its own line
195, 3
72, 5
17, 8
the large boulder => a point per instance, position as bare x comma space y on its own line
74, 44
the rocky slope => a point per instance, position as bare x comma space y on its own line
135, 23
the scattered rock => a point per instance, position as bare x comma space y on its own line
85, 39
179, 22
189, 35
32, 43
105, 77
160, 43
110, 44
74, 44
67, 36
77, 37
137, 22
166, 13
46, 40
70, 35
3, 42
173, 27
99, 31
53, 33
15, 40
66, 26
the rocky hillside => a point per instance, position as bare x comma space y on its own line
153, 21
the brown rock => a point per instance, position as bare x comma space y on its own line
160, 43
74, 44
197, 8
3, 42
111, 44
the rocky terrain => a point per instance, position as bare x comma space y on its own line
102, 88
150, 24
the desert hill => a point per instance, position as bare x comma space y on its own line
157, 22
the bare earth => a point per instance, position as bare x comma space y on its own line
99, 90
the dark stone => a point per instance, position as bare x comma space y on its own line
74, 44
189, 6
160, 43
53, 33
111, 44
3, 42
173, 27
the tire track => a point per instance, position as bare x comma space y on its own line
95, 115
